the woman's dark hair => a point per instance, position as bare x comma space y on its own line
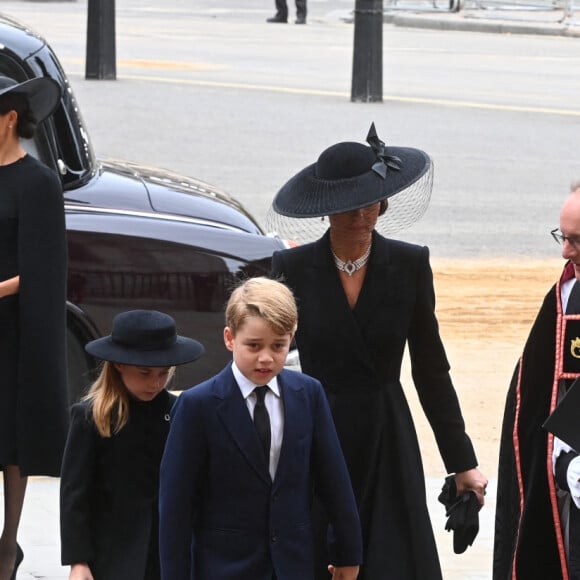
384, 206
26, 126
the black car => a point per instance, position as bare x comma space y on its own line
138, 237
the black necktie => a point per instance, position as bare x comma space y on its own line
262, 420
573, 307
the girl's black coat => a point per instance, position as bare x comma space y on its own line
110, 490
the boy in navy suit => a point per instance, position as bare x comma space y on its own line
246, 451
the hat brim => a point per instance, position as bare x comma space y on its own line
43, 95
184, 350
406, 207
306, 195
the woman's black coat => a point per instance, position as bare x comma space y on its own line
357, 355
110, 488
33, 387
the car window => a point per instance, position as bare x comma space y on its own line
112, 267
70, 155
60, 142
10, 68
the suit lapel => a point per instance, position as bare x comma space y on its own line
294, 404
325, 279
324, 276
380, 281
236, 419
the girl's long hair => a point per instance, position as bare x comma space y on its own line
109, 400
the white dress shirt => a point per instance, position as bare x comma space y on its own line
275, 407
565, 289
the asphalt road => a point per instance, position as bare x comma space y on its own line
209, 89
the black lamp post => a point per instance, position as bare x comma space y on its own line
101, 53
367, 62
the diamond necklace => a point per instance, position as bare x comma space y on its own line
350, 266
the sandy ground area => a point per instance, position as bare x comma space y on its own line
485, 310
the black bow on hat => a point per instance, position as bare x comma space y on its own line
462, 514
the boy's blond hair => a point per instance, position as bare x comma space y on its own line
266, 298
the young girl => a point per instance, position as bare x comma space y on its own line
110, 472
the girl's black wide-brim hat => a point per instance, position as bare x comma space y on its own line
349, 176
145, 338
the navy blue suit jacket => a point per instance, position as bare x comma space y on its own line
221, 515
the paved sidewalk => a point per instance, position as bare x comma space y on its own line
501, 21
39, 535
476, 15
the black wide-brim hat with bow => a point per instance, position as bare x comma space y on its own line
145, 338
43, 94
348, 176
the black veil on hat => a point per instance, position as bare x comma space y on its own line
349, 176
42, 93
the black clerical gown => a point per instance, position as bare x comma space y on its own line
528, 536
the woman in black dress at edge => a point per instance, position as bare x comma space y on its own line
33, 390
362, 298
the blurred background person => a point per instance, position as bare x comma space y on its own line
282, 12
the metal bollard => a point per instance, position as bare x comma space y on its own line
367, 62
101, 52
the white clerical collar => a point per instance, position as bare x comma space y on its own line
247, 386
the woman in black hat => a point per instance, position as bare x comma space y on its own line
110, 473
362, 299
33, 392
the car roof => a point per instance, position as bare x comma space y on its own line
22, 40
